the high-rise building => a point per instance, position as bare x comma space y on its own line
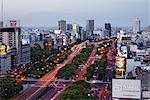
89, 27
136, 25
108, 28
1, 24
62, 25
12, 38
69, 27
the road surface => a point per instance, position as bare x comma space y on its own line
39, 85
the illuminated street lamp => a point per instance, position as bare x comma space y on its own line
65, 48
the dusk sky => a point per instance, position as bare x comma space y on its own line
48, 12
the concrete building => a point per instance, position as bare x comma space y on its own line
144, 76
48, 43
5, 59
69, 27
108, 28
12, 37
136, 25
89, 27
5, 63
25, 54
1, 24
62, 25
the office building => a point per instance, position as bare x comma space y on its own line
69, 27
12, 38
62, 25
89, 27
25, 54
136, 25
5, 59
1, 24
48, 43
19, 49
108, 28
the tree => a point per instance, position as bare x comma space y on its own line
9, 87
79, 90
90, 72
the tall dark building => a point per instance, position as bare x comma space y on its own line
80, 32
108, 28
1, 24
62, 25
89, 27
69, 27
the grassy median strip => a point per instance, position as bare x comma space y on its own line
70, 69
79, 90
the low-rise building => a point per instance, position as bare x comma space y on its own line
5, 59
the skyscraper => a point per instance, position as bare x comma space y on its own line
69, 27
1, 24
108, 28
89, 27
136, 25
62, 25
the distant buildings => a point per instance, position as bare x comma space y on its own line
62, 25
136, 25
108, 29
1, 24
89, 27
69, 27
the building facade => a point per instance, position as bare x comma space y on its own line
5, 59
108, 28
136, 25
19, 49
89, 27
62, 25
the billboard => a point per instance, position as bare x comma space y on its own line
120, 67
122, 51
125, 88
3, 49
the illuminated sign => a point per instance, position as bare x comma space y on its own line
74, 26
122, 51
120, 67
125, 88
120, 62
3, 49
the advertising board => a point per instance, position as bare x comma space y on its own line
122, 51
126, 88
120, 67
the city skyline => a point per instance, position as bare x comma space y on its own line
48, 12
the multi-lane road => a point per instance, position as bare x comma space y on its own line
82, 72
29, 93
